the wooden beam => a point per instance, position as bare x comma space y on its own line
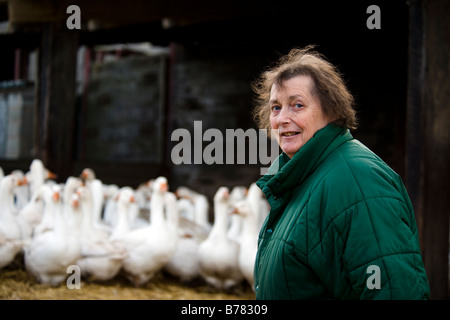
114, 13
55, 108
29, 11
428, 136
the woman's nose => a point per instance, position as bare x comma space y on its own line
283, 116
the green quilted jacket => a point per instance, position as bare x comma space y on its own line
341, 226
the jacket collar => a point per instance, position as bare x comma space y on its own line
285, 173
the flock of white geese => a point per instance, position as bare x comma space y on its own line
105, 229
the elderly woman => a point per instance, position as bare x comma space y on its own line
341, 224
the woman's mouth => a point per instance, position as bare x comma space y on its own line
289, 134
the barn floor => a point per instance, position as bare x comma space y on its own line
17, 284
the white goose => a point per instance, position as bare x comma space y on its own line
10, 233
31, 214
149, 248
100, 260
88, 229
8, 250
139, 215
184, 263
248, 240
48, 219
70, 187
258, 202
188, 226
37, 175
235, 226
21, 193
49, 253
98, 198
201, 206
110, 193
123, 200
218, 254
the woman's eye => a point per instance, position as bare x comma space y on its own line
276, 108
298, 105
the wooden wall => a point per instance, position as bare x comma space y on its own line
428, 136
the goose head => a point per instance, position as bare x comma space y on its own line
125, 196
183, 192
56, 193
222, 195
9, 182
85, 198
38, 174
87, 174
75, 201
238, 193
160, 185
243, 208
221, 205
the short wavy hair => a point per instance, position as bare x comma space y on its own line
328, 85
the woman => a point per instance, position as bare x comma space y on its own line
341, 224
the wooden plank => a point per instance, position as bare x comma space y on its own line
437, 154
428, 136
56, 99
20, 11
113, 13
29, 11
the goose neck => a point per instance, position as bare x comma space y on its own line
220, 219
157, 209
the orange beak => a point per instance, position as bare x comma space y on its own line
51, 175
22, 182
56, 196
164, 186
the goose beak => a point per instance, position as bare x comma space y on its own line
51, 175
22, 182
75, 203
56, 196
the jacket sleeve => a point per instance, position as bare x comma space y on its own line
376, 248
368, 244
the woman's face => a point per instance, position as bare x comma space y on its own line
295, 113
